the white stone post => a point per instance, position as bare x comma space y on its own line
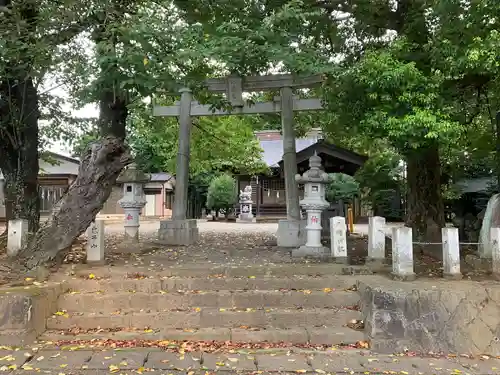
95, 242
451, 253
495, 252
338, 233
16, 237
402, 254
376, 239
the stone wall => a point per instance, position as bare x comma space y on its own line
24, 311
431, 315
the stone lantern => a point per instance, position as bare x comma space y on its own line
246, 215
314, 202
133, 200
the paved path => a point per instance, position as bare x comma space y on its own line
150, 227
143, 360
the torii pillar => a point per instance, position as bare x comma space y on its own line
291, 232
180, 230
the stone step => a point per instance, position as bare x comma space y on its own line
206, 318
215, 271
316, 336
212, 283
106, 360
111, 302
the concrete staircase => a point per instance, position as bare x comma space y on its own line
291, 303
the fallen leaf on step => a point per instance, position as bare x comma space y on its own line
63, 365
27, 367
91, 276
233, 359
307, 291
301, 371
319, 371
114, 368
327, 290
363, 344
220, 364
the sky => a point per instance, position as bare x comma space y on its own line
89, 110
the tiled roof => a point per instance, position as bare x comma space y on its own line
162, 176
273, 150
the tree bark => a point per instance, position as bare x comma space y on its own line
425, 202
19, 145
19, 113
100, 166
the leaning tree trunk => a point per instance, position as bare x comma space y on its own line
425, 202
100, 166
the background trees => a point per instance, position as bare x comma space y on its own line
222, 194
412, 84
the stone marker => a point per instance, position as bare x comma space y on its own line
95, 242
495, 252
451, 253
491, 220
376, 239
402, 254
16, 237
338, 233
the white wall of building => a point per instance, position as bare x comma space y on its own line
60, 167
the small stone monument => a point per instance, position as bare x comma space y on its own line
376, 240
95, 242
402, 254
133, 201
451, 253
16, 237
246, 215
314, 203
491, 220
338, 235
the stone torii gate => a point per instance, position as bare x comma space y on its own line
182, 231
